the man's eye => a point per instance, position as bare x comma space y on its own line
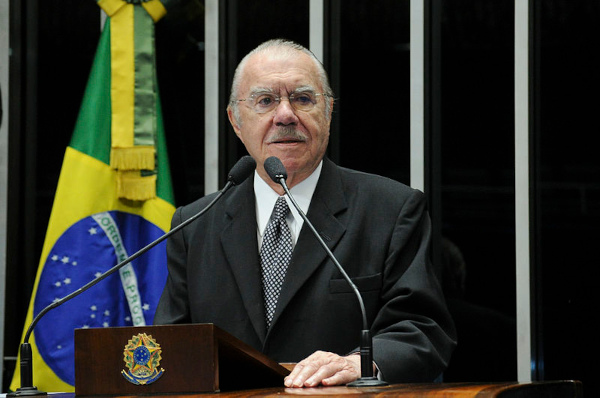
303, 99
265, 100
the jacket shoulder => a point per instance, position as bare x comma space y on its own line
374, 185
190, 209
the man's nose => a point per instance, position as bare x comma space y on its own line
284, 113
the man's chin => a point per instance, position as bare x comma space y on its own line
291, 155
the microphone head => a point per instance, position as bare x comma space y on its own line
275, 169
241, 170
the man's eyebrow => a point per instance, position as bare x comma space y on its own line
269, 90
304, 89
261, 90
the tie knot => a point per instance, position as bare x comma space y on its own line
281, 209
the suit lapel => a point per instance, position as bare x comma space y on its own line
241, 249
328, 201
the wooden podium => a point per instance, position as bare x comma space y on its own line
203, 361
192, 359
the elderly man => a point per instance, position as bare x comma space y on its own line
269, 283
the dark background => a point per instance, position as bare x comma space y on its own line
470, 145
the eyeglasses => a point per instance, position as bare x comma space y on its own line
264, 102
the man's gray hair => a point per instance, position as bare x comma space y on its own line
280, 47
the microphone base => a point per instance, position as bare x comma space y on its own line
367, 382
26, 392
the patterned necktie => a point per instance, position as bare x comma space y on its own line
275, 255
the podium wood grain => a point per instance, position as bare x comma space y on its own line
548, 389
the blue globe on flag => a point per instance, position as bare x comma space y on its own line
88, 248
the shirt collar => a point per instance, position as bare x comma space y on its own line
266, 198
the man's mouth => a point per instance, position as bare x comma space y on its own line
287, 141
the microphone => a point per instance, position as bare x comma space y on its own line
277, 172
238, 173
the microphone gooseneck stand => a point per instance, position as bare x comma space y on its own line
278, 174
238, 173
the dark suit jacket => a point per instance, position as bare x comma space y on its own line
379, 231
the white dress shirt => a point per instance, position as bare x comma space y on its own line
266, 198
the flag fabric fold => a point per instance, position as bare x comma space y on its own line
93, 226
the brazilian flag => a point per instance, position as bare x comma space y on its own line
113, 197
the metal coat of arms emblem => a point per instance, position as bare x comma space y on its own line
142, 358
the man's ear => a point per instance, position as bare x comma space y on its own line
233, 121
